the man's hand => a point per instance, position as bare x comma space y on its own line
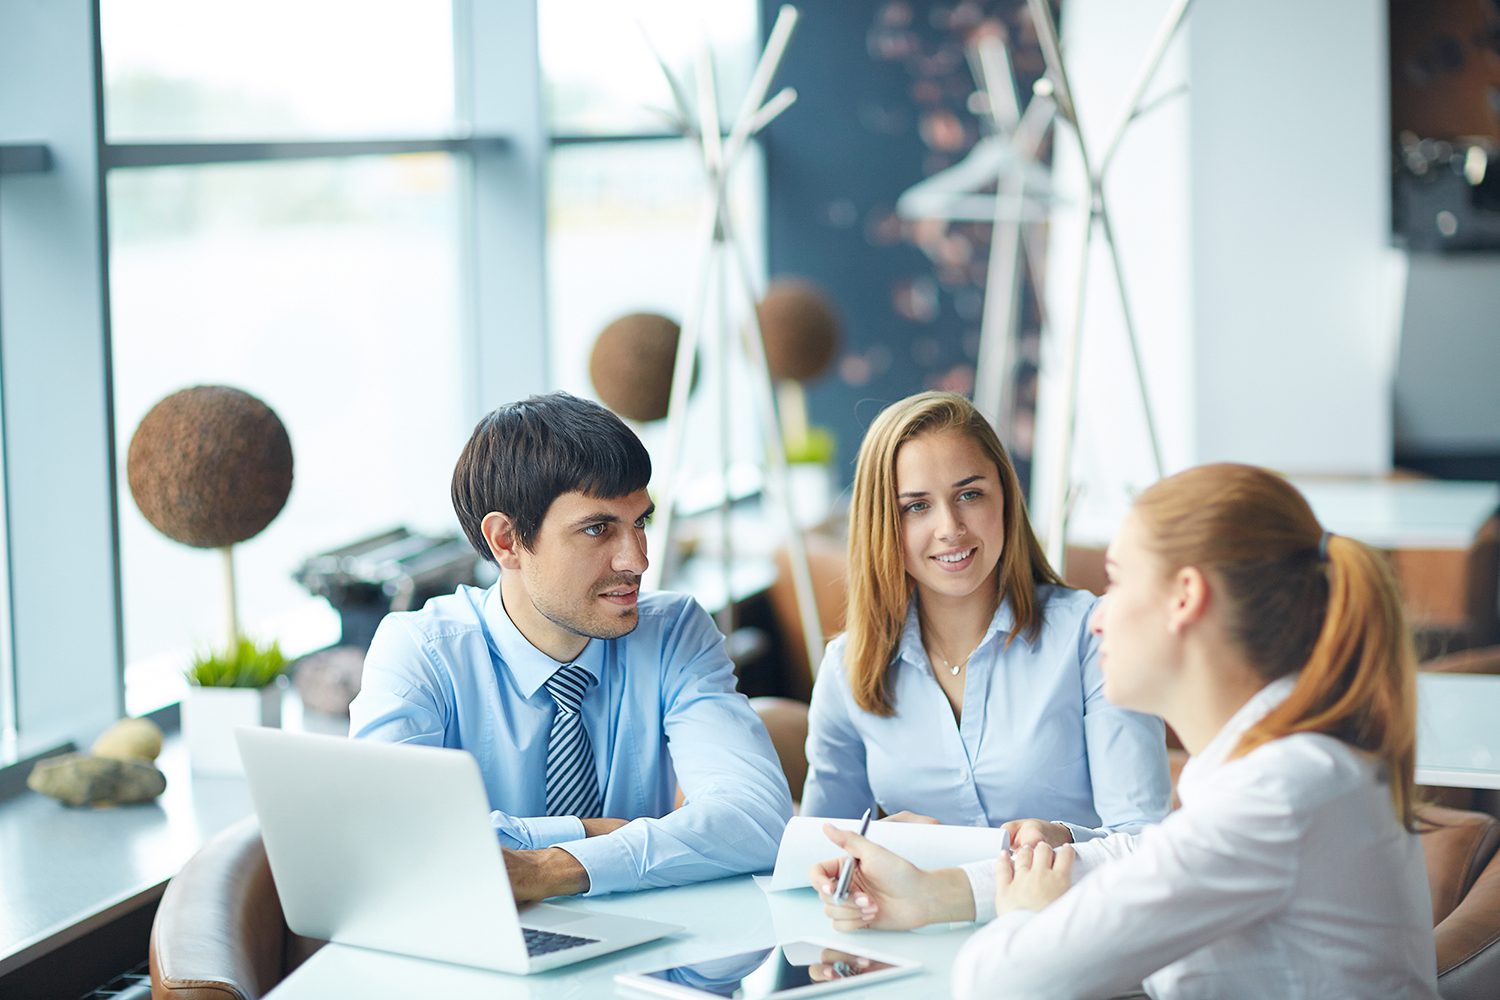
1031, 878
888, 892
1030, 832
542, 874
907, 816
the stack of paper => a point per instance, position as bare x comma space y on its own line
923, 844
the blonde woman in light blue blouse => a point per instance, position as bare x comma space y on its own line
966, 689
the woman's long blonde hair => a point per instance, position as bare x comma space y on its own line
879, 588
1297, 600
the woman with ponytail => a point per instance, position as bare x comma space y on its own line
1278, 653
966, 687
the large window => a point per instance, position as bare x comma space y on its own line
339, 209
333, 206
601, 78
627, 199
329, 288
184, 69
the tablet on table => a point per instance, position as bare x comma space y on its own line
797, 969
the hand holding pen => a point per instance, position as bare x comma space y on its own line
846, 870
885, 891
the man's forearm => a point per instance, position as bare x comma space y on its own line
542, 874
599, 827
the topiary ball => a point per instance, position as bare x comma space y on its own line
210, 466
800, 328
631, 365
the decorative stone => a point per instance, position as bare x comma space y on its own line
130, 739
210, 466
800, 328
79, 779
329, 679
631, 365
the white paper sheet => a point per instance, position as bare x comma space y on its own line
923, 844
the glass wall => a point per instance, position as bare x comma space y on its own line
627, 201
234, 69
331, 289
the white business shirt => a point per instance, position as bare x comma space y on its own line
1284, 874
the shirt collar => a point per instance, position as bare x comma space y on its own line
1258, 707
909, 647
530, 667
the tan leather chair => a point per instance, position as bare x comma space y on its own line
828, 564
219, 932
1450, 595
1463, 871
786, 720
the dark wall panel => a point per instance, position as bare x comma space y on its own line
883, 101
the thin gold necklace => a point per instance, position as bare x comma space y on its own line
953, 668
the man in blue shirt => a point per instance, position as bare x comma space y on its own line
586, 702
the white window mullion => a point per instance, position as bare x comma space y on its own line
64, 627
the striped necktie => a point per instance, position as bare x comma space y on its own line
572, 785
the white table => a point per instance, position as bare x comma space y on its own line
1458, 730
1402, 513
721, 918
1388, 514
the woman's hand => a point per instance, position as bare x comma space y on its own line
887, 892
1032, 877
907, 816
1030, 832
834, 964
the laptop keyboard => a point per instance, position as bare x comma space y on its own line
539, 942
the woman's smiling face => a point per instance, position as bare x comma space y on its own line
952, 514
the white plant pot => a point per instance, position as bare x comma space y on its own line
210, 716
812, 487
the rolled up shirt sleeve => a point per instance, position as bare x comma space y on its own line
736, 799
533, 833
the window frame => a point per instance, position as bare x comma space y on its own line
60, 684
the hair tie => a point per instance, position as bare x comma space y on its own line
1323, 546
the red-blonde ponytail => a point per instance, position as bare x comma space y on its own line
1297, 600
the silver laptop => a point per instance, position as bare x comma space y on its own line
389, 847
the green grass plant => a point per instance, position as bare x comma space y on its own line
245, 665
816, 447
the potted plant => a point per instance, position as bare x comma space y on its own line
809, 455
240, 686
211, 467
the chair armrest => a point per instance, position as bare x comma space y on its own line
219, 933
1468, 941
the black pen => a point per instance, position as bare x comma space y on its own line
846, 870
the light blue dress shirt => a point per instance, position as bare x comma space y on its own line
1036, 740
663, 710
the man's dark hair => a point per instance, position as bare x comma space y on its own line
526, 454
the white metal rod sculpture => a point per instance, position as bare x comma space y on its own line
1098, 213
1007, 159
725, 260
